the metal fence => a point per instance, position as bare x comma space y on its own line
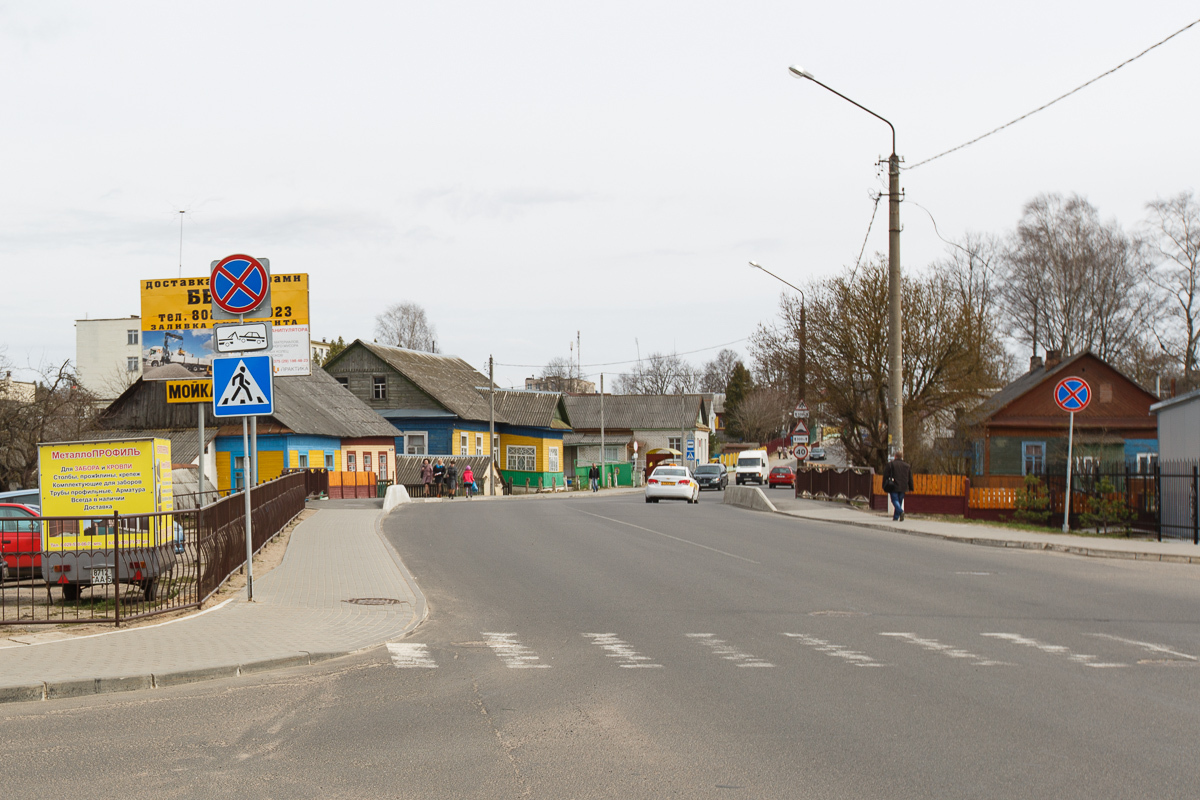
134, 566
829, 483
1178, 484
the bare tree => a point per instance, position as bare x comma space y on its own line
406, 325
718, 371
1173, 227
562, 368
60, 411
761, 414
660, 373
1074, 283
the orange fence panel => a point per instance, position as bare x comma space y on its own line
932, 485
993, 498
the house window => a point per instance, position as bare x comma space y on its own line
379, 387
496, 446
1085, 465
462, 444
414, 444
345, 382
552, 459
674, 442
350, 463
366, 462
329, 461
131, 364
1146, 462
522, 458
612, 453
479, 444
302, 460
131, 337
383, 464
1033, 461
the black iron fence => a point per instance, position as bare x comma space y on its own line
119, 568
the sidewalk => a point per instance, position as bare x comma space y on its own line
1173, 551
300, 615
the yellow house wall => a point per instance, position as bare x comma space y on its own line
542, 460
293, 459
270, 465
316, 458
456, 439
224, 472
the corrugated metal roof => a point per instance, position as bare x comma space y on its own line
185, 442
408, 468
318, 405
534, 409
447, 379
575, 439
638, 411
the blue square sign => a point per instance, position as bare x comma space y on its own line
242, 386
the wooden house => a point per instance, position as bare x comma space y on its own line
1021, 429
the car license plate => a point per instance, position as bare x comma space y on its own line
668, 483
102, 575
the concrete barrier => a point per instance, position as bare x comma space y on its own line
396, 494
751, 497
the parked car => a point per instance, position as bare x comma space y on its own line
712, 476
21, 539
752, 465
26, 497
672, 483
782, 476
816, 453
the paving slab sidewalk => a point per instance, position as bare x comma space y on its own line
300, 615
1172, 551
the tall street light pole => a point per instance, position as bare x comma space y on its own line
803, 332
895, 330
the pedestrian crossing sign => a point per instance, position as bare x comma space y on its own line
242, 386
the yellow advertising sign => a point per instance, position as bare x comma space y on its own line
174, 304
190, 391
81, 479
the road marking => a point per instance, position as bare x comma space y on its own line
836, 650
514, 654
933, 645
669, 536
728, 652
1153, 648
1055, 649
627, 657
408, 655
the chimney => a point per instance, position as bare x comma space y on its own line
1035, 362
1053, 358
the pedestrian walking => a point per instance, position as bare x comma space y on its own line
451, 479
468, 479
426, 475
897, 479
594, 477
439, 475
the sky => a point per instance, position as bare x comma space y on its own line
529, 170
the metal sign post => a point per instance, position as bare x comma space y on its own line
1071, 395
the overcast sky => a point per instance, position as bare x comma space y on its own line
526, 170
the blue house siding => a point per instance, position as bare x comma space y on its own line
1134, 447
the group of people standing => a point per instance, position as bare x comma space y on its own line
440, 476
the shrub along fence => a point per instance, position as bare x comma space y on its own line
139, 565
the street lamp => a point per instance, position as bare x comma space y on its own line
803, 331
895, 342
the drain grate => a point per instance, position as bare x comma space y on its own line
374, 601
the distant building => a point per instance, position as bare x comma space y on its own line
108, 355
558, 383
17, 391
320, 351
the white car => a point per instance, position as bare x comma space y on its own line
672, 483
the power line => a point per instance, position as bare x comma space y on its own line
631, 361
1055, 100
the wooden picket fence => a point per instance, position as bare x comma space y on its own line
932, 485
1003, 499
343, 485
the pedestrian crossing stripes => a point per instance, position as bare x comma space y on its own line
625, 655
729, 653
933, 645
514, 654
836, 650
1054, 649
408, 655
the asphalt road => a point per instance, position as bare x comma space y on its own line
591, 648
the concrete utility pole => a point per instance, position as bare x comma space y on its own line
492, 469
895, 311
602, 464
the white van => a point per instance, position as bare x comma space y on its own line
753, 465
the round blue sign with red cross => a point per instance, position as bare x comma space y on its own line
239, 284
1072, 394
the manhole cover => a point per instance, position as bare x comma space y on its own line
374, 601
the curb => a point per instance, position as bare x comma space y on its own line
56, 690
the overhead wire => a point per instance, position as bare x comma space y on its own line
1055, 100
632, 360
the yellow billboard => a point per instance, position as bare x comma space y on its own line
177, 321
98, 479
190, 391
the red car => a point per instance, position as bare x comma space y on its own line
20, 540
781, 476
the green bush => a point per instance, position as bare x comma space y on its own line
1032, 503
1106, 509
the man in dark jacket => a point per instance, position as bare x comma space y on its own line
594, 477
897, 479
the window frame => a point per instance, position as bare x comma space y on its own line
383, 464
301, 460
132, 363
520, 453
351, 461
1025, 457
423, 435
479, 444
132, 337
552, 462
462, 443
379, 387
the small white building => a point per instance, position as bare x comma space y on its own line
108, 355
1179, 427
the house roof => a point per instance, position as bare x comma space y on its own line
447, 379
185, 442
638, 411
576, 439
529, 408
318, 405
1018, 388
1182, 398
